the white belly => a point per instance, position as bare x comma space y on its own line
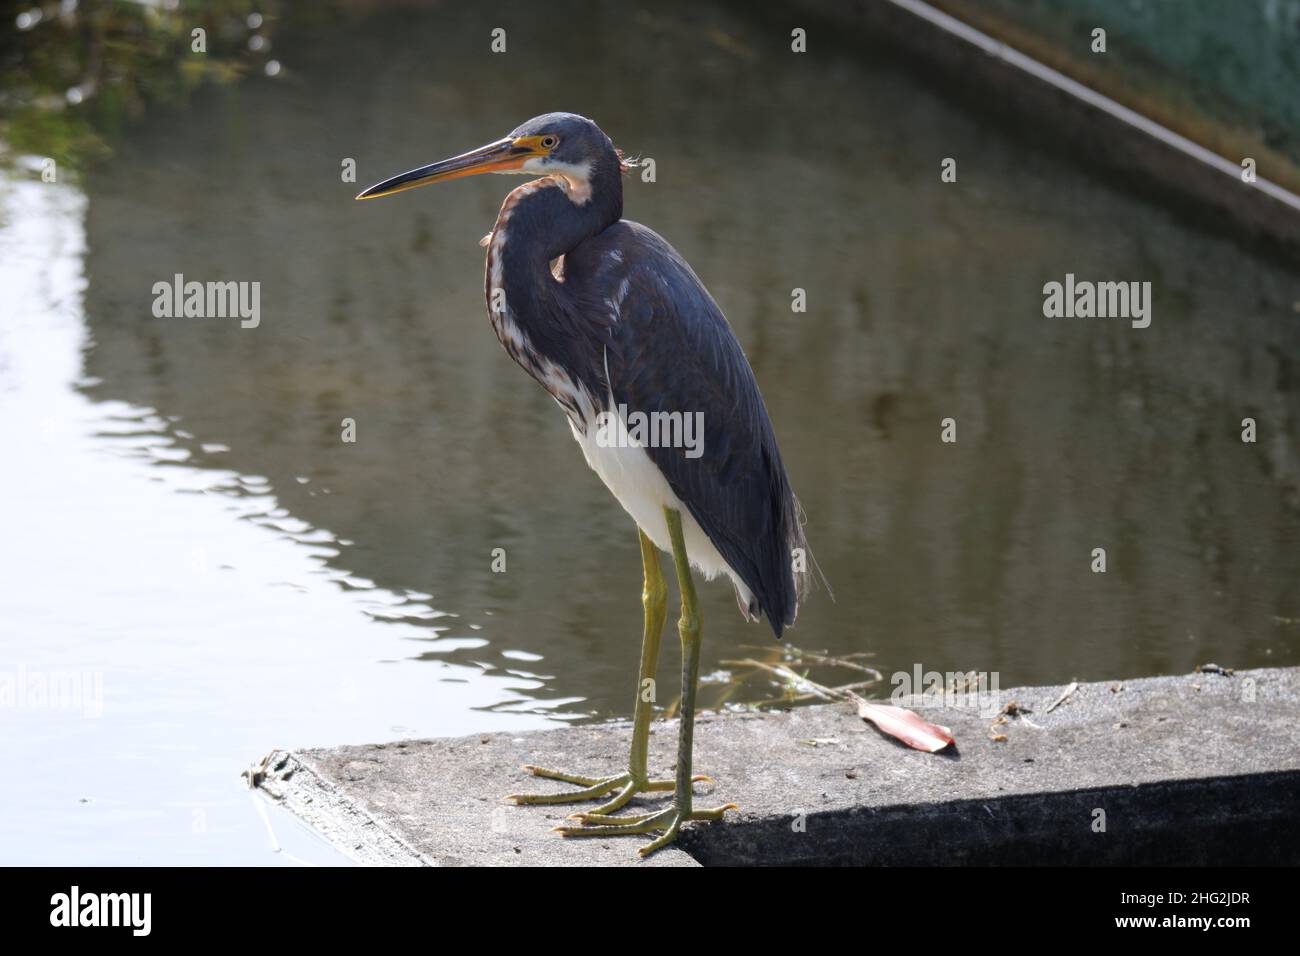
642, 490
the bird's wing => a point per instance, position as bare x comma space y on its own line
671, 350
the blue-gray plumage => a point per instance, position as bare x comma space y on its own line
607, 316
670, 350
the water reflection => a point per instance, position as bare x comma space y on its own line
975, 555
162, 624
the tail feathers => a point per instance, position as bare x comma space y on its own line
749, 609
798, 572
805, 579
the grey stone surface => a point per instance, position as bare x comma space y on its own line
1203, 768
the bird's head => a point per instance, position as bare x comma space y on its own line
569, 147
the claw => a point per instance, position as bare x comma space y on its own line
601, 821
669, 820
574, 778
591, 788
609, 820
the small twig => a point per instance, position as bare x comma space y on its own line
813, 689
860, 685
799, 681
790, 649
1065, 694
838, 662
799, 688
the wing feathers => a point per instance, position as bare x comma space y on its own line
670, 350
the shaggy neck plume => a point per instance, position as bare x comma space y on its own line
533, 317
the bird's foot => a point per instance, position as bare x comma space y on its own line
626, 784
669, 820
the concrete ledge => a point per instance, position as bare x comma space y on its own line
1063, 114
1199, 769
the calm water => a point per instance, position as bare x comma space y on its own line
186, 528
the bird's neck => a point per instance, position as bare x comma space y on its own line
533, 314
546, 218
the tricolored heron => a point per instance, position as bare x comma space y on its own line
608, 318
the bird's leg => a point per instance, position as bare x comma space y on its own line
654, 598
670, 819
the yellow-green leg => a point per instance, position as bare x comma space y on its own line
671, 818
654, 598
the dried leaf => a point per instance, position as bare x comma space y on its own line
906, 726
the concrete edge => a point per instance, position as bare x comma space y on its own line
1071, 87
1209, 821
1087, 123
1196, 778
294, 783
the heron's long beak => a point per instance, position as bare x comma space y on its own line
505, 155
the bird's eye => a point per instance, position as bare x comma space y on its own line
550, 142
